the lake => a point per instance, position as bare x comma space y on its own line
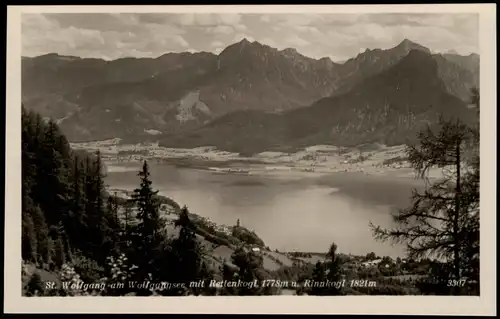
290, 212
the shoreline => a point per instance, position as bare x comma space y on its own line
318, 159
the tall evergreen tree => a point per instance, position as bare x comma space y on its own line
318, 276
228, 274
250, 269
52, 184
334, 271
148, 207
78, 215
29, 243
112, 213
443, 221
42, 235
59, 253
186, 251
148, 234
127, 225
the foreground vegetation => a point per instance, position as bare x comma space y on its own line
75, 241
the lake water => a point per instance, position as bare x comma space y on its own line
305, 213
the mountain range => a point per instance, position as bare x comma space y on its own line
251, 96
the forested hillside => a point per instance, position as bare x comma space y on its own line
63, 198
77, 239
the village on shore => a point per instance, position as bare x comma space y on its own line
319, 159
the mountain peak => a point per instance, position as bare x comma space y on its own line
290, 50
407, 45
239, 47
406, 41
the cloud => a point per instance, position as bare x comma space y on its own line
218, 50
240, 27
270, 42
216, 44
317, 19
221, 29
207, 19
341, 36
307, 29
180, 40
36, 27
230, 19
94, 21
297, 41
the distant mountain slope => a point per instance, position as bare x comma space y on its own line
97, 99
371, 62
458, 73
469, 62
252, 76
388, 107
179, 92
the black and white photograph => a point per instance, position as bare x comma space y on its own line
249, 153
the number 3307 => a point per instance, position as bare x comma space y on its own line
456, 283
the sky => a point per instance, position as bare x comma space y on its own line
337, 36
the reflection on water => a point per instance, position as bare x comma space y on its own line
301, 214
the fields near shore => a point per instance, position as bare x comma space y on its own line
311, 161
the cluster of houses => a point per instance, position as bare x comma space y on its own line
218, 227
372, 263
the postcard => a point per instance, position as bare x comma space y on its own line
251, 159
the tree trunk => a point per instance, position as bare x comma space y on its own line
456, 231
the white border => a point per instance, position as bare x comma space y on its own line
484, 305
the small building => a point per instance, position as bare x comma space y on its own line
372, 263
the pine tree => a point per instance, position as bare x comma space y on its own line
318, 276
52, 184
148, 208
78, 215
59, 254
148, 233
62, 198
443, 221
249, 266
29, 243
112, 212
127, 224
228, 274
99, 242
186, 251
42, 235
334, 270
99, 183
